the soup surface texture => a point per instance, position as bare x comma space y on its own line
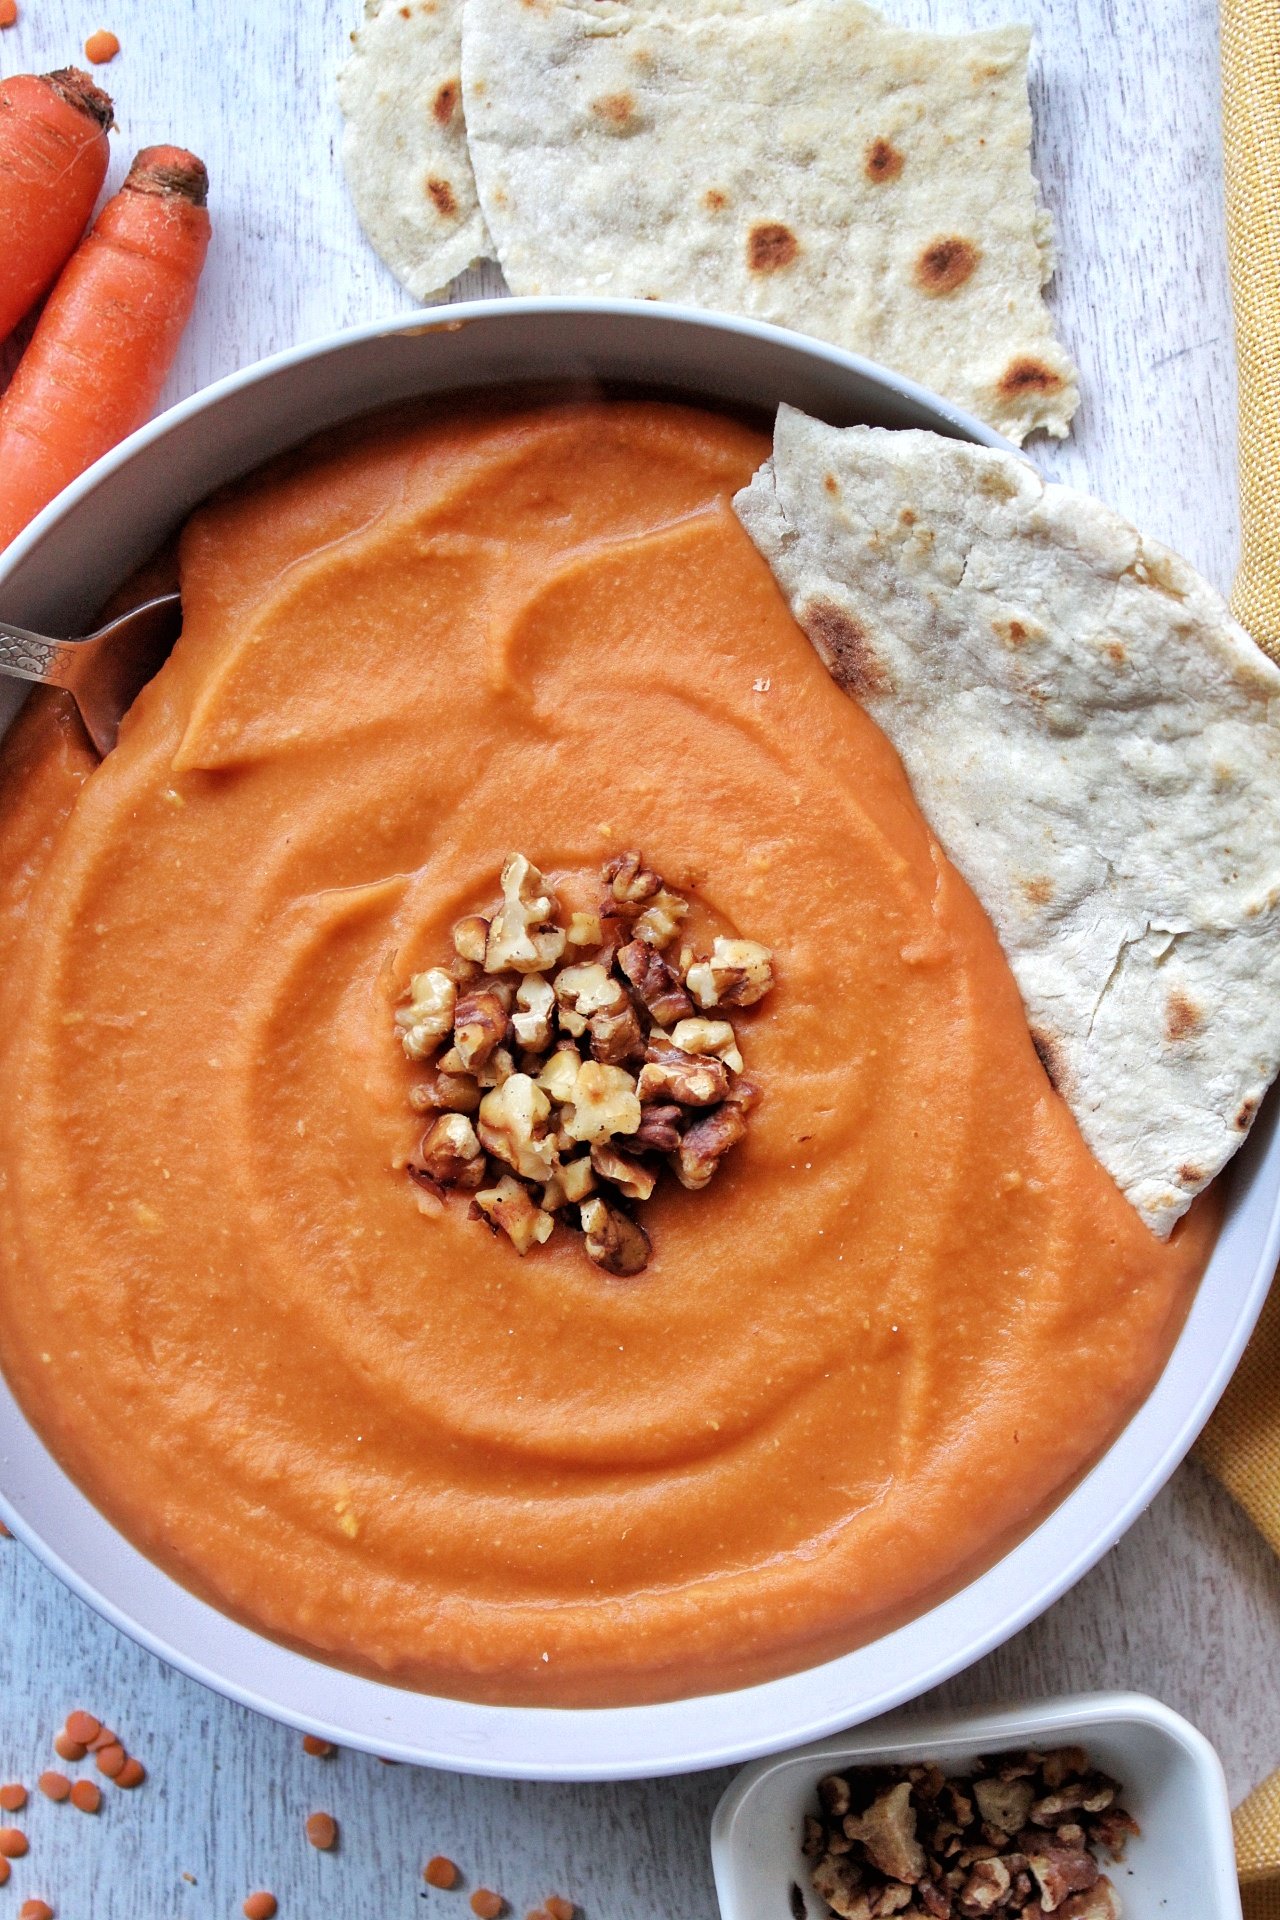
909, 1308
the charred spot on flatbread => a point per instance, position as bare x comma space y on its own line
1025, 375
1038, 889
1182, 1017
1192, 1176
714, 200
946, 264
1245, 1115
615, 111
1014, 633
830, 482
883, 162
443, 198
770, 246
445, 104
1049, 1056
845, 645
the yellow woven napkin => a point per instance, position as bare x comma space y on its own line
1241, 1444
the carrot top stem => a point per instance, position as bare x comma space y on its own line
169, 170
78, 90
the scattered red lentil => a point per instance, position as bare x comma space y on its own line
35, 1910
13, 1798
322, 1831
110, 1760
101, 47
486, 1904
312, 1743
54, 1786
259, 1906
559, 1908
440, 1872
102, 1738
82, 1727
68, 1749
7, 7
8, 18
87, 1795
131, 1774
4, 1871
13, 1842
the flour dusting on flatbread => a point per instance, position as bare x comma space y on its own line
1097, 745
803, 163
404, 146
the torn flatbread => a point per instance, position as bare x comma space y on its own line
802, 163
1097, 745
404, 145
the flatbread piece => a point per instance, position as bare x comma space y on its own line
1097, 745
804, 164
404, 145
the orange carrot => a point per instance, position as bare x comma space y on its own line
53, 159
106, 340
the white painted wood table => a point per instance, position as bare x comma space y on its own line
1188, 1606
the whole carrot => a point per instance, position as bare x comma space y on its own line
53, 160
107, 337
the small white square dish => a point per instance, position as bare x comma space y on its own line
1181, 1864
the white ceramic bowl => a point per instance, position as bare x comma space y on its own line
57, 574
1183, 1863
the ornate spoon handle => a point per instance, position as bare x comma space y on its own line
32, 656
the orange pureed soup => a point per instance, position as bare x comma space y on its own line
909, 1309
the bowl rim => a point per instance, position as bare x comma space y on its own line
615, 1743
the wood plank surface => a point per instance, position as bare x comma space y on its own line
1188, 1605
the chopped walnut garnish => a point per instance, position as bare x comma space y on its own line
523, 934
480, 1022
708, 1036
704, 1146
524, 1120
908, 1840
535, 1004
655, 984
631, 1177
513, 1123
471, 937
508, 1207
603, 1102
739, 973
429, 1014
613, 1239
450, 1153
691, 1080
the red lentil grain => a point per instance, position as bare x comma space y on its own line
101, 47
322, 1831
54, 1786
68, 1749
35, 1910
82, 1727
102, 1738
8, 18
87, 1795
440, 1872
560, 1909
13, 1842
259, 1906
131, 1774
313, 1744
486, 1904
4, 1871
13, 1797
110, 1760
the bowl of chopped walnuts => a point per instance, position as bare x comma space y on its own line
1090, 1808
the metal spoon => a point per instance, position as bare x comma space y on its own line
105, 671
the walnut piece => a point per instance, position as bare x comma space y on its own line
523, 934
1004, 1803
450, 1153
616, 1035
888, 1832
655, 983
704, 1146
629, 881
708, 1036
509, 1208
688, 1079
513, 1121
630, 1177
603, 1102
535, 1004
613, 1240
739, 973
559, 1076
480, 1022
659, 1129
471, 937
583, 990
429, 1014
585, 930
